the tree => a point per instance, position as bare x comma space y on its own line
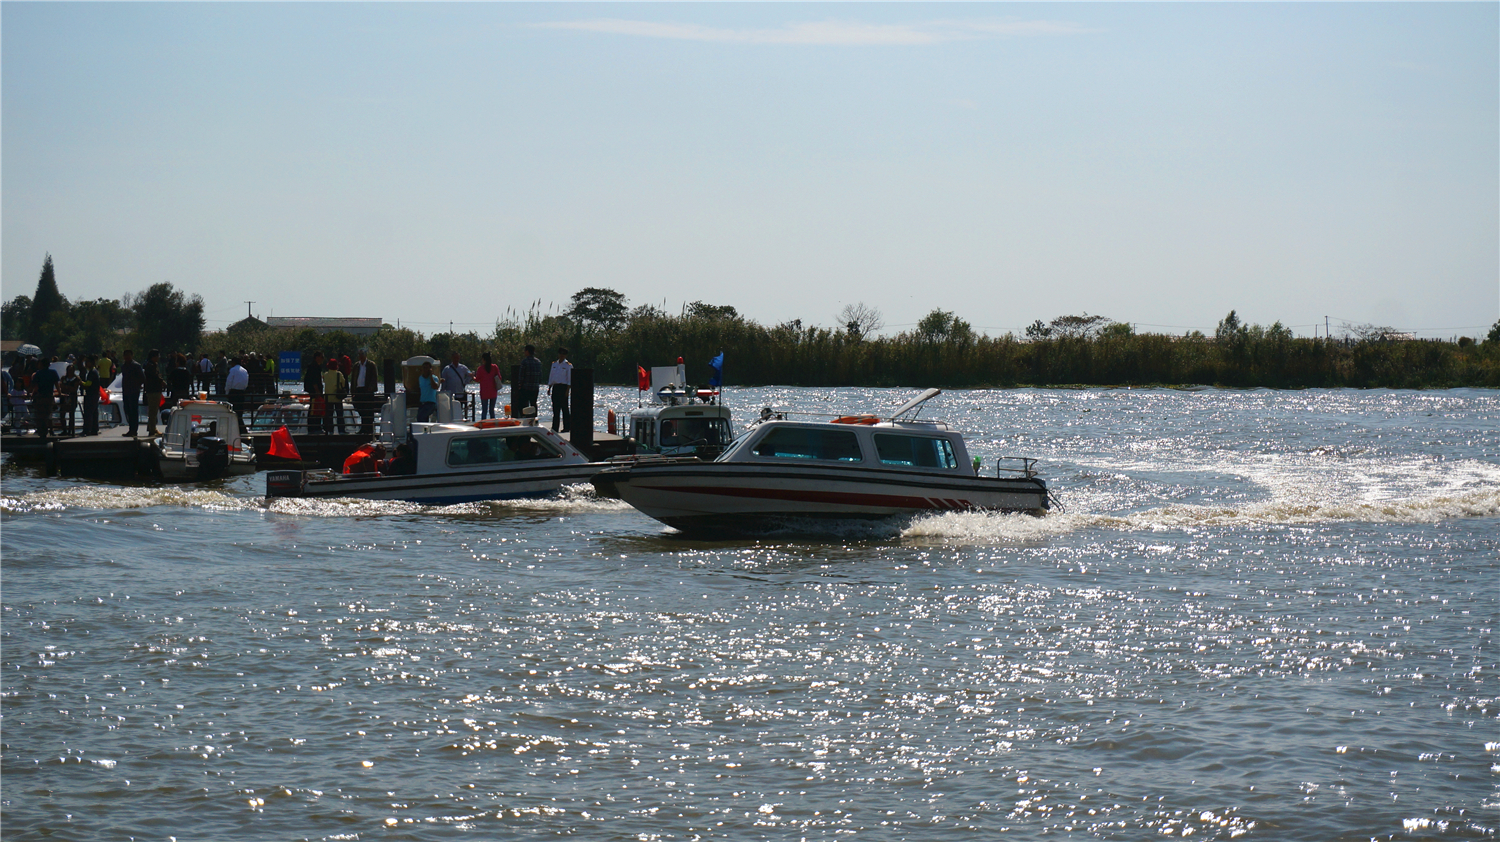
166, 318
97, 325
860, 320
1078, 327
943, 326
46, 303
1230, 328
711, 312
15, 317
1371, 333
1038, 330
1494, 333
1116, 330
596, 307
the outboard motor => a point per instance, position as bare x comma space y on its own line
212, 455
283, 483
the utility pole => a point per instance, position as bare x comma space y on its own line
1327, 334
247, 310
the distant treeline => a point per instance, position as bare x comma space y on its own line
605, 334
792, 355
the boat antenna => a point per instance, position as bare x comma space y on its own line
916, 403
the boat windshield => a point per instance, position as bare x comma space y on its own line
809, 443
682, 432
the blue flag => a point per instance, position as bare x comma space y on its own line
718, 366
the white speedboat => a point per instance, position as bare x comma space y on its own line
448, 463
796, 474
679, 420
203, 440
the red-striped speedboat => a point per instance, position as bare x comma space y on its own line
798, 474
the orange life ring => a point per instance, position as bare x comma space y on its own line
857, 419
611, 418
491, 423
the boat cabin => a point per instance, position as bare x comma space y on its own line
863, 441
446, 448
680, 420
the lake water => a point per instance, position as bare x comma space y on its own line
1260, 615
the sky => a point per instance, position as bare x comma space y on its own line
464, 163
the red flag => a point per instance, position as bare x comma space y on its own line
643, 380
282, 446
103, 395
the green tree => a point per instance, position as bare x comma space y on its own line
1078, 327
1230, 328
1494, 333
47, 305
598, 308
166, 318
1038, 330
96, 325
711, 312
15, 317
942, 326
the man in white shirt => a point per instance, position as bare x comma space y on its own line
558, 384
362, 383
235, 385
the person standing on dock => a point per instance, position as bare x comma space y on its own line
456, 377
312, 384
559, 382
155, 385
236, 383
528, 383
89, 383
490, 380
362, 381
67, 401
335, 385
132, 379
43, 389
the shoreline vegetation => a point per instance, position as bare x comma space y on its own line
942, 350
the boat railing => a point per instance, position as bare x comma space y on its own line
1027, 468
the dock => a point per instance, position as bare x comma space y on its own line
114, 454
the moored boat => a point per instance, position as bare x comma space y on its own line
203, 440
800, 474
447, 463
679, 419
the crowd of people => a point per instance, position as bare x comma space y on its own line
68, 391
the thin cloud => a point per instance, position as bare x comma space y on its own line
831, 32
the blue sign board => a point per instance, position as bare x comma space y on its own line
289, 366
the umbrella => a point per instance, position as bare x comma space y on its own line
29, 350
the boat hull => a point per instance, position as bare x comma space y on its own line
178, 469
737, 497
437, 489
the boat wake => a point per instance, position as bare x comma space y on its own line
982, 527
574, 499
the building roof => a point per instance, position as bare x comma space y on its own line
323, 324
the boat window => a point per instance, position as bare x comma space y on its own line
914, 451
806, 443
694, 431
489, 450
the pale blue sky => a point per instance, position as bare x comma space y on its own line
1155, 163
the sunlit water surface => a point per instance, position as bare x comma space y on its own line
1259, 615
